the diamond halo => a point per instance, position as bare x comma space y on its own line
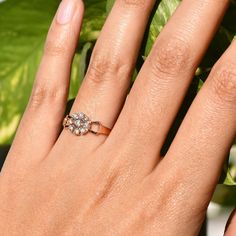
78, 123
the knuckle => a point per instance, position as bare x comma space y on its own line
106, 187
106, 69
135, 3
169, 58
46, 95
55, 47
224, 82
168, 189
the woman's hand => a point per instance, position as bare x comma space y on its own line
57, 183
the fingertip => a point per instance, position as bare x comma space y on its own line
67, 11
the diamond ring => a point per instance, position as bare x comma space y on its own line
79, 124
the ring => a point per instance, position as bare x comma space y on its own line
79, 124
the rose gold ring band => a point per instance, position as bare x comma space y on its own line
79, 124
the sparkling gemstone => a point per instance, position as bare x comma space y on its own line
86, 118
86, 125
83, 131
77, 132
71, 128
81, 115
75, 116
78, 123
65, 121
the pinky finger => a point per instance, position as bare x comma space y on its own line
41, 122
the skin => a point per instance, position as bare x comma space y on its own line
55, 183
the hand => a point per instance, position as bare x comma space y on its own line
56, 183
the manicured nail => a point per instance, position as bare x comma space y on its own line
65, 11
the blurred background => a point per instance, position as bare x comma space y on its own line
23, 28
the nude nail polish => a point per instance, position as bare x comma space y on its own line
65, 12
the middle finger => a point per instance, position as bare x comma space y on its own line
164, 79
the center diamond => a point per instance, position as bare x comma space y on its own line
82, 123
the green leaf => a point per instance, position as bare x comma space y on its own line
95, 15
24, 25
163, 12
229, 179
23, 28
225, 195
226, 177
83, 59
110, 3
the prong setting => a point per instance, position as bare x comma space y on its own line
79, 124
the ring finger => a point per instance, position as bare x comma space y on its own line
106, 83
164, 79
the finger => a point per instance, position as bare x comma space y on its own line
230, 229
41, 122
202, 144
163, 81
105, 86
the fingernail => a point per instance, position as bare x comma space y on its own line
65, 11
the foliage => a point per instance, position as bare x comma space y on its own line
23, 28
